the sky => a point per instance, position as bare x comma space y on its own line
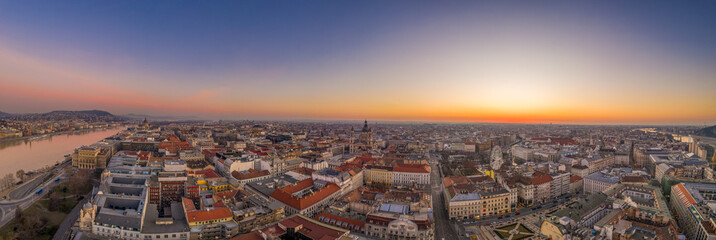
610, 62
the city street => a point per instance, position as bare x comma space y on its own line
7, 207
523, 213
444, 228
447, 229
27, 188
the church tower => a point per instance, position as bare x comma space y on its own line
145, 123
352, 132
366, 135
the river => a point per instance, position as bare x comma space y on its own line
33, 155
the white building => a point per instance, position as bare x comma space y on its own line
597, 182
560, 183
406, 174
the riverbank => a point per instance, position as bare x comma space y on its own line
46, 135
45, 153
5, 193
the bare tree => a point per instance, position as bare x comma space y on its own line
18, 212
29, 225
20, 175
11, 179
7, 181
53, 203
79, 182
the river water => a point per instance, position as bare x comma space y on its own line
37, 154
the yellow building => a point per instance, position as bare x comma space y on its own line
91, 157
220, 186
461, 209
471, 197
379, 175
551, 230
213, 186
495, 203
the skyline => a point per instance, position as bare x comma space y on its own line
583, 63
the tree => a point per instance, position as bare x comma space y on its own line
20, 175
80, 182
7, 181
18, 213
29, 225
53, 203
11, 179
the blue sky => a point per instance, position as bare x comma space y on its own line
239, 51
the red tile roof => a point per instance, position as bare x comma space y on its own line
255, 235
219, 211
174, 147
188, 204
683, 195
144, 155
285, 194
564, 141
303, 184
327, 220
539, 178
414, 168
208, 215
575, 178
212, 152
224, 195
303, 170
208, 173
250, 174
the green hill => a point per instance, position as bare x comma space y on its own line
707, 132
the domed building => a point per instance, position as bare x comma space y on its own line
87, 215
365, 139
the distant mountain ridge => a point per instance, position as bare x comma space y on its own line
4, 114
707, 132
88, 115
159, 118
90, 112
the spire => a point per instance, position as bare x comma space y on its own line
366, 123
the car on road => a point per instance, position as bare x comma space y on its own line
499, 217
517, 214
534, 208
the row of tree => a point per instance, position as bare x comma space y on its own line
30, 225
7, 181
